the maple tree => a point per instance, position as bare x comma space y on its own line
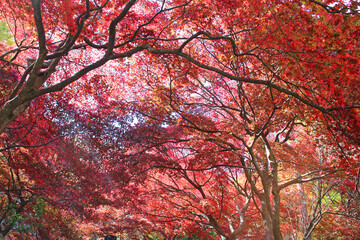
190, 118
45, 186
223, 166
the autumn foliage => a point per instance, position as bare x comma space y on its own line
179, 119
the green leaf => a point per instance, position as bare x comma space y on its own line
5, 34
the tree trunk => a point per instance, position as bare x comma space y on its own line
9, 113
267, 220
276, 216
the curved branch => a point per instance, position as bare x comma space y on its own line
241, 79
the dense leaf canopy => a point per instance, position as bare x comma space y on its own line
180, 119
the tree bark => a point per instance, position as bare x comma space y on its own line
11, 110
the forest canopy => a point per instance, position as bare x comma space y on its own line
180, 119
